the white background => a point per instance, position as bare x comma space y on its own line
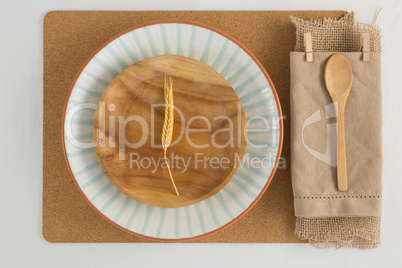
21, 241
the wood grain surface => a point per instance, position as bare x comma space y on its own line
209, 137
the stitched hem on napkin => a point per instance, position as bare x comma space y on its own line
336, 206
340, 232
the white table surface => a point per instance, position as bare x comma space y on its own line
21, 240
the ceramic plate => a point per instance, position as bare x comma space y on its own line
257, 95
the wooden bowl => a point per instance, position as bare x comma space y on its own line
128, 126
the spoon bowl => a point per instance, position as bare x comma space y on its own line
338, 76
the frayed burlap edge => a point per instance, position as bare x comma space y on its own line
340, 232
336, 35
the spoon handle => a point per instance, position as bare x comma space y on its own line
341, 151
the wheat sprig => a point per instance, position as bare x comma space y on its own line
167, 132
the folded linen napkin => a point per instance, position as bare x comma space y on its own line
325, 216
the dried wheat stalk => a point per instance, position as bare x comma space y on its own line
167, 132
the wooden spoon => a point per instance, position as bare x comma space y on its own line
338, 78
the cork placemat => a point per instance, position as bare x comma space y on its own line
70, 37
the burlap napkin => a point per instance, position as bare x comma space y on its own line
325, 216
